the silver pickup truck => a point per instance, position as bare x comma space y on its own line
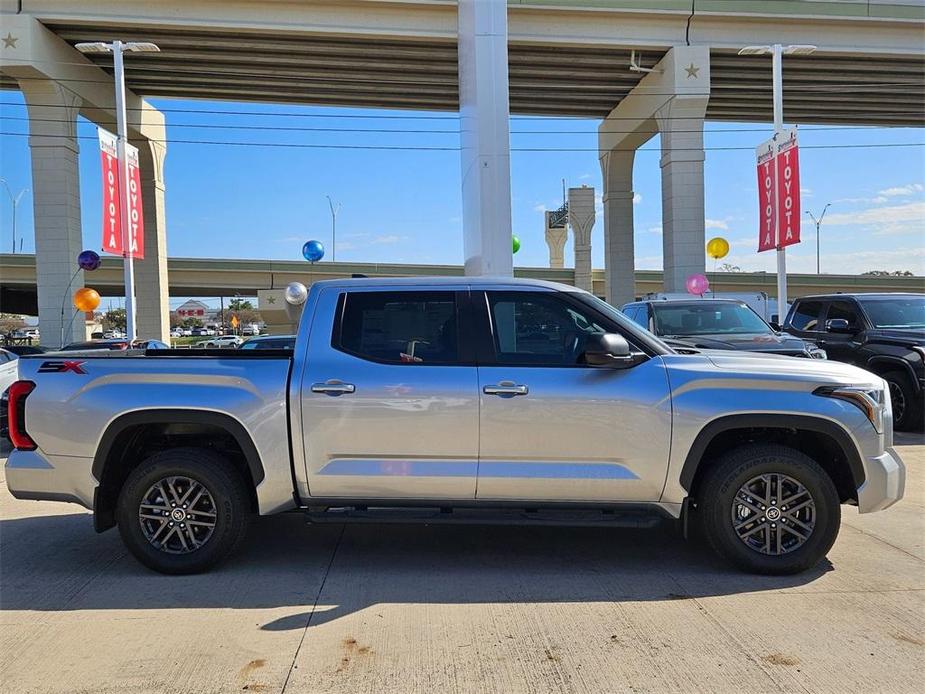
456, 400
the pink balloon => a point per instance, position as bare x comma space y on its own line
697, 284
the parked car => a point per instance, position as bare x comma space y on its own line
220, 341
113, 345
716, 324
883, 333
270, 342
457, 399
198, 332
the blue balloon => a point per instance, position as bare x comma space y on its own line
313, 251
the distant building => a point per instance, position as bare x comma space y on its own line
196, 309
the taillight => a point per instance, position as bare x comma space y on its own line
16, 415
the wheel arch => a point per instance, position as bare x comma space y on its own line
818, 437
128, 434
882, 363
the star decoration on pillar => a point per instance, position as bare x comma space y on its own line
271, 299
692, 71
9, 41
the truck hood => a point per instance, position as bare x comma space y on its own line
823, 371
749, 342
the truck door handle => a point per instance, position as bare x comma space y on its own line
506, 388
333, 388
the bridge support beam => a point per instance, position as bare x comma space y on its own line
581, 218
484, 113
671, 100
53, 110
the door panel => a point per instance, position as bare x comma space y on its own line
574, 432
409, 426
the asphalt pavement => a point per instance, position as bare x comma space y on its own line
460, 609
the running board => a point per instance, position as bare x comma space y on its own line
487, 516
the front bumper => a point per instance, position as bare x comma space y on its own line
886, 481
37, 476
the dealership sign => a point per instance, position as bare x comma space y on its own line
113, 241
112, 219
778, 191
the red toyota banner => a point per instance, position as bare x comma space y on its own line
767, 208
136, 223
778, 192
788, 189
112, 221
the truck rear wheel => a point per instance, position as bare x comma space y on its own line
907, 404
769, 509
183, 510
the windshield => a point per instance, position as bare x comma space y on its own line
896, 311
707, 318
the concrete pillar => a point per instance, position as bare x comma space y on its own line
485, 137
151, 273
556, 236
619, 247
680, 123
581, 218
53, 112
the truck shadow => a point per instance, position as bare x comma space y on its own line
57, 563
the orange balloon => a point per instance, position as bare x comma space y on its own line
86, 299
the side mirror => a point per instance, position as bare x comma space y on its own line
608, 350
838, 325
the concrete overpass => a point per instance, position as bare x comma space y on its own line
556, 57
201, 277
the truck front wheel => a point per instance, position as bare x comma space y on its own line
769, 509
183, 510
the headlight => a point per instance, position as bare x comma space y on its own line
816, 353
921, 350
871, 401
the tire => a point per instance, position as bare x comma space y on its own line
719, 509
162, 480
907, 406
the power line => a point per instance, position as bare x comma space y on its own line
301, 145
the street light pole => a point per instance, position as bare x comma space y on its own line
777, 52
118, 48
334, 210
818, 223
14, 203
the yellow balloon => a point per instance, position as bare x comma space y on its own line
717, 247
86, 299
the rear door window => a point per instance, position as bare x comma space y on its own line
401, 327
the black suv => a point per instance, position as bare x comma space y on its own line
883, 333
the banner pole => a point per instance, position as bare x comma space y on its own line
778, 89
122, 132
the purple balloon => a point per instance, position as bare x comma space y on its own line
697, 284
88, 260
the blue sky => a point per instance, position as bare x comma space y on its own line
404, 206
